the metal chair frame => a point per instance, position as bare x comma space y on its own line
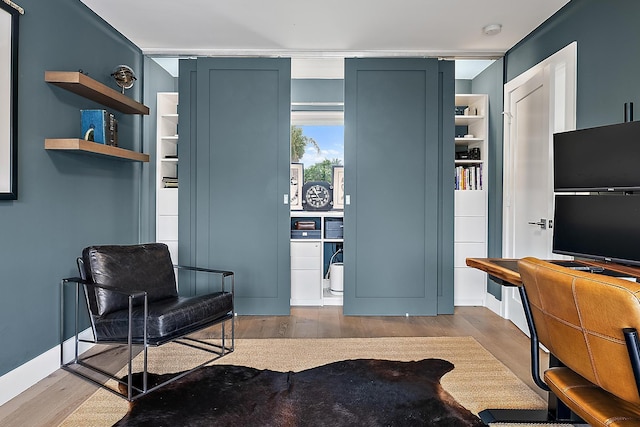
134, 392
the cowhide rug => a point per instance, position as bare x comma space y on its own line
364, 392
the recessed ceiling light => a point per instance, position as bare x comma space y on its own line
492, 29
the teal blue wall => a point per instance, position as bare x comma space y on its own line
607, 34
65, 201
309, 91
490, 82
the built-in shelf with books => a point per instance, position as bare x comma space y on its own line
167, 171
91, 89
471, 167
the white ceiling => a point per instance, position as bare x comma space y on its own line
327, 28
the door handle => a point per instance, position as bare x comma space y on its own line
542, 223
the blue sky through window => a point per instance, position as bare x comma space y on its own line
330, 138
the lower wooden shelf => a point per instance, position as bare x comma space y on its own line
89, 147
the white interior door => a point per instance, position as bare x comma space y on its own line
529, 201
538, 103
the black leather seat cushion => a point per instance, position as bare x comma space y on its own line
145, 267
167, 318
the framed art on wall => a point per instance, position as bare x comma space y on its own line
8, 101
297, 181
338, 187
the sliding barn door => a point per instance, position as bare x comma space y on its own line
233, 214
398, 234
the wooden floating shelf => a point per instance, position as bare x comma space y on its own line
89, 88
89, 147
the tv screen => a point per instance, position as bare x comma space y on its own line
602, 227
602, 158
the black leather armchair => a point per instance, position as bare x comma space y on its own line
133, 299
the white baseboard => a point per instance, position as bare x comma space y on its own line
472, 302
28, 374
493, 304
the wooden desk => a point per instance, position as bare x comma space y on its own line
505, 270
502, 270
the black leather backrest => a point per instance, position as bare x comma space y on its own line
145, 267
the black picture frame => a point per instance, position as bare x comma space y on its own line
9, 103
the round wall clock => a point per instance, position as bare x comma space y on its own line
317, 196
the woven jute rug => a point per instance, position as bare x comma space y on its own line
477, 382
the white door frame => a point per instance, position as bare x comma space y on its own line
560, 74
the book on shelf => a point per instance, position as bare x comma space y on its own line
170, 182
113, 131
468, 177
99, 126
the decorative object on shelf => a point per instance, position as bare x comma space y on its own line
461, 131
305, 225
334, 228
460, 109
124, 76
338, 187
462, 155
297, 180
474, 153
9, 14
317, 196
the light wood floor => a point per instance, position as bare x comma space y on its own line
55, 397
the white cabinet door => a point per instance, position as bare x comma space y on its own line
306, 273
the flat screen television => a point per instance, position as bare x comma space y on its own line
600, 227
603, 158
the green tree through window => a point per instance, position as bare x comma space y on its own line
299, 143
321, 171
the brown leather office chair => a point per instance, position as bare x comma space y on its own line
589, 322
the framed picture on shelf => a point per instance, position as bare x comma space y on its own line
297, 181
338, 187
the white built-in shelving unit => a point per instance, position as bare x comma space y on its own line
470, 235
167, 172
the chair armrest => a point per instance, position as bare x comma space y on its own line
224, 273
78, 280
